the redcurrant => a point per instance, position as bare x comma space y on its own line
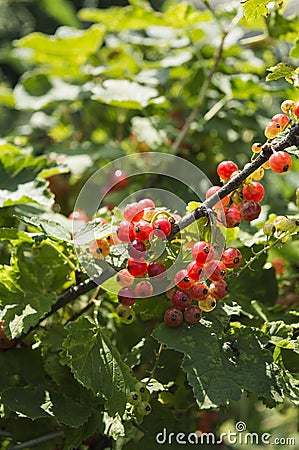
201, 251
225, 170
125, 231
137, 267
126, 296
142, 230
124, 278
218, 289
99, 249
250, 210
181, 299
215, 270
280, 162
157, 270
232, 217
173, 317
253, 191
136, 249
208, 304
199, 291
162, 228
211, 191
144, 289
195, 271
182, 279
232, 257
192, 314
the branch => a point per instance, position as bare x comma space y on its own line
292, 139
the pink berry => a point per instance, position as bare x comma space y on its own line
218, 289
125, 231
157, 270
231, 257
144, 289
137, 267
195, 271
211, 191
201, 251
173, 317
124, 278
250, 210
181, 299
182, 279
215, 270
162, 228
126, 296
146, 203
199, 291
253, 191
133, 212
232, 217
225, 169
142, 230
280, 162
192, 314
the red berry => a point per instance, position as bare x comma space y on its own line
281, 119
157, 270
199, 291
142, 230
136, 249
162, 228
232, 217
133, 212
272, 130
144, 289
215, 270
192, 314
211, 191
182, 279
195, 271
296, 110
201, 251
253, 191
225, 169
280, 162
146, 203
137, 267
126, 296
231, 257
173, 317
124, 278
181, 299
125, 231
250, 210
218, 289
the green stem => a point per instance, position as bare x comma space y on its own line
67, 260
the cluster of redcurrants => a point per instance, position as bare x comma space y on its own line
192, 294
244, 202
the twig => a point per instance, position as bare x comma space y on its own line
37, 441
157, 359
86, 307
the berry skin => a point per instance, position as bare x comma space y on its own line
134, 397
173, 317
162, 228
201, 251
143, 408
146, 203
250, 210
232, 217
218, 289
192, 314
137, 267
125, 313
287, 106
256, 147
157, 270
269, 229
125, 231
195, 271
272, 130
253, 191
282, 120
211, 191
215, 270
136, 249
182, 280
99, 249
280, 223
142, 230
133, 212
181, 299
280, 162
144, 289
231, 257
124, 278
208, 304
199, 291
225, 170
126, 296
296, 109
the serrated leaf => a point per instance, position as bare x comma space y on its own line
238, 354
96, 363
92, 231
253, 9
49, 227
124, 93
12, 234
277, 331
281, 70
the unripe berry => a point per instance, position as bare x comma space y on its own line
99, 249
192, 314
250, 210
125, 313
256, 147
280, 162
258, 174
272, 130
143, 408
173, 317
287, 106
292, 225
208, 304
269, 229
134, 397
280, 223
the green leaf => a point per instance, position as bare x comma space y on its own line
277, 331
96, 363
124, 93
294, 53
62, 10
211, 359
37, 402
49, 227
281, 70
12, 234
253, 9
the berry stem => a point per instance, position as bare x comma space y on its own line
155, 366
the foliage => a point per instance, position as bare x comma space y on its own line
108, 83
